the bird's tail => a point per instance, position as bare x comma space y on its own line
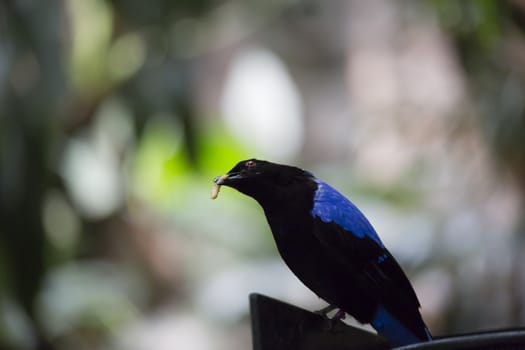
395, 331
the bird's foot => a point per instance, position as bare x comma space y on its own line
339, 315
330, 322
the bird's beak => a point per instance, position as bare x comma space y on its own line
227, 180
219, 180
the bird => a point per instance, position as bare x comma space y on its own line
329, 244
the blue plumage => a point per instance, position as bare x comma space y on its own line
392, 329
332, 206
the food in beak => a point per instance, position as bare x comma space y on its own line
217, 187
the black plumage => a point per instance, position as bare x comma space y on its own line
332, 248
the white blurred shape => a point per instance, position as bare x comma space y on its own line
262, 105
92, 178
91, 294
169, 329
92, 163
225, 296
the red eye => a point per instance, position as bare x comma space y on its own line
250, 164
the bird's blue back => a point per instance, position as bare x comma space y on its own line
331, 206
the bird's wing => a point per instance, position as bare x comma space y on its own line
377, 270
331, 206
346, 234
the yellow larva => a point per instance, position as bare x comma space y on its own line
217, 186
215, 191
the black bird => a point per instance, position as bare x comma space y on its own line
332, 248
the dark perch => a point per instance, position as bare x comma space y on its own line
280, 326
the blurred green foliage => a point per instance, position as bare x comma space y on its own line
60, 64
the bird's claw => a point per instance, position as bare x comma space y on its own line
339, 315
330, 322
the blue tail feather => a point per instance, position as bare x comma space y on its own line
393, 330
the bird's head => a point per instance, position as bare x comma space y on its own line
261, 179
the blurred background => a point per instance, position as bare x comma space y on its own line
115, 115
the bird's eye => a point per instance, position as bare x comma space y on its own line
250, 164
